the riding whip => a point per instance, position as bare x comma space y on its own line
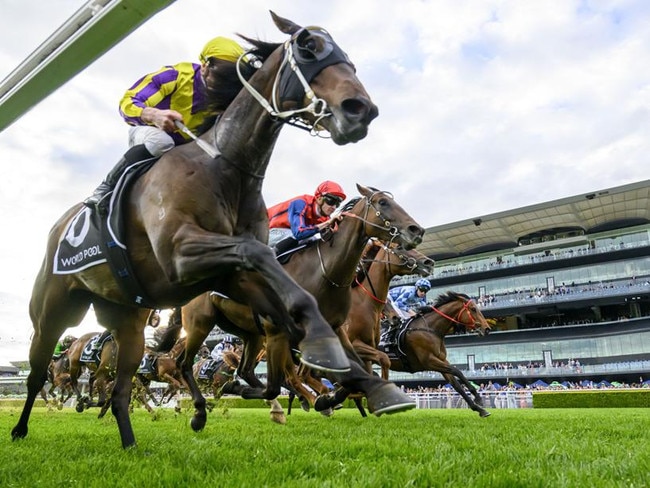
209, 149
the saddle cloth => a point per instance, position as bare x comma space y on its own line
91, 239
209, 368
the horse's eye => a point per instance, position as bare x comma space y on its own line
310, 45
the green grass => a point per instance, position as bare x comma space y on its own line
242, 448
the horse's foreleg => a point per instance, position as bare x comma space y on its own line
199, 253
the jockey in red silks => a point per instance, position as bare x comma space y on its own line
304, 216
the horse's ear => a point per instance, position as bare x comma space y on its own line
364, 190
285, 25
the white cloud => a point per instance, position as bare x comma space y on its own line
484, 106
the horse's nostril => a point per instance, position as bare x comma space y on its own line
359, 109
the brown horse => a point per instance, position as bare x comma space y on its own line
102, 372
162, 367
58, 375
196, 223
362, 325
421, 342
211, 375
380, 263
327, 269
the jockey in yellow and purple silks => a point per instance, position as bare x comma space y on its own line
306, 215
186, 92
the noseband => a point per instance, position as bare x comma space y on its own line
392, 230
305, 64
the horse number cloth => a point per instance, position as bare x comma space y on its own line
80, 247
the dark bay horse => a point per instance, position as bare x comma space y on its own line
421, 342
326, 269
196, 223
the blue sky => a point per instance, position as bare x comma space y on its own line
485, 106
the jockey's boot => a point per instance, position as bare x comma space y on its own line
133, 155
285, 245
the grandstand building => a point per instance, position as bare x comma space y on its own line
567, 283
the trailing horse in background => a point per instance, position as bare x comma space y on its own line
211, 375
58, 375
101, 366
195, 223
327, 269
421, 342
362, 325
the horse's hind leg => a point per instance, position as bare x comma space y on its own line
457, 381
52, 310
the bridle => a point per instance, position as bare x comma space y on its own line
283, 87
457, 320
405, 261
393, 231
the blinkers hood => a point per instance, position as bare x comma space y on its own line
313, 50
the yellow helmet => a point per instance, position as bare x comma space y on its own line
221, 48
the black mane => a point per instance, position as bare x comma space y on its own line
448, 297
229, 83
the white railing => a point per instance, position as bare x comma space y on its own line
491, 399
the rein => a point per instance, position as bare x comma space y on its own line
368, 292
408, 263
457, 320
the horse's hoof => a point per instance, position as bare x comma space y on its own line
323, 402
328, 412
325, 354
484, 413
198, 422
18, 433
79, 407
388, 399
278, 418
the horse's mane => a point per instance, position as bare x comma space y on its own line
349, 205
448, 297
230, 84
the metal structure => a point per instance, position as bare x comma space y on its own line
93, 30
614, 207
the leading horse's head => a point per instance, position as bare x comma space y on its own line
385, 219
316, 85
462, 310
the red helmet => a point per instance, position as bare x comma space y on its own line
330, 188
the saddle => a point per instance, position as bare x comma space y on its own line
286, 247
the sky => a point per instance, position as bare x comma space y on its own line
484, 106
